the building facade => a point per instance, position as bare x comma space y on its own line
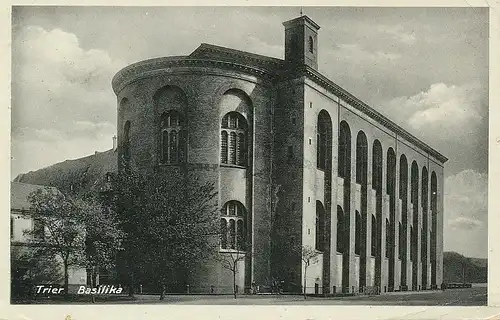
298, 161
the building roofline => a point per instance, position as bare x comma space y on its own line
212, 47
301, 20
313, 74
366, 109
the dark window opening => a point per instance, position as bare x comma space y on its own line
173, 138
234, 131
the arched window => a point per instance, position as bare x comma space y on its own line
295, 43
424, 231
403, 196
323, 148
414, 200
357, 234
234, 139
232, 234
344, 151
340, 230
320, 226
374, 236
311, 44
223, 233
361, 158
233, 226
126, 141
377, 167
434, 213
173, 142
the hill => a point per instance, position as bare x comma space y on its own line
457, 268
79, 176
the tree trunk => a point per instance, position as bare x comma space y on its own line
131, 285
162, 293
92, 285
234, 282
66, 279
305, 281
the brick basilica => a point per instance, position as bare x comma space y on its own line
298, 161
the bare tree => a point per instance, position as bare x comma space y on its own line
309, 256
230, 261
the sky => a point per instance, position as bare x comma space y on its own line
424, 68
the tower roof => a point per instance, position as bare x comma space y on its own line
301, 21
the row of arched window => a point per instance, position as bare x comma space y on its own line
406, 187
173, 139
344, 155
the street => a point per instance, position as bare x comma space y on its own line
475, 296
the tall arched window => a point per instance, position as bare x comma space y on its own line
173, 142
340, 230
324, 134
223, 233
357, 233
403, 196
311, 44
234, 131
126, 141
344, 151
425, 225
414, 200
233, 226
361, 158
434, 213
320, 226
377, 164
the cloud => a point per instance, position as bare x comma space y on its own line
451, 118
397, 33
56, 83
355, 53
465, 223
452, 105
259, 46
466, 194
61, 94
450, 109
466, 213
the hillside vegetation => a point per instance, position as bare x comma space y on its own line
458, 268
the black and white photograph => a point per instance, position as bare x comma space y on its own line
219, 155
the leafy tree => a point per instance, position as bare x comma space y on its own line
61, 232
309, 256
79, 232
29, 267
103, 235
172, 225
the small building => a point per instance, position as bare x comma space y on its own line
25, 273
